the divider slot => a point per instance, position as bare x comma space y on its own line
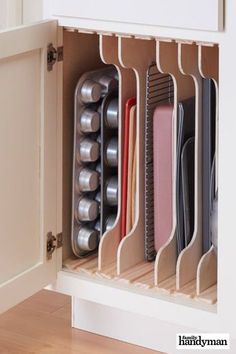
167, 57
208, 57
206, 283
189, 258
136, 54
74, 66
207, 277
110, 241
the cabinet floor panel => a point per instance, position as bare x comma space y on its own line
137, 272
109, 272
169, 285
209, 296
188, 290
88, 265
140, 276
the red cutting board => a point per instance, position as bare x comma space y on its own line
131, 174
129, 104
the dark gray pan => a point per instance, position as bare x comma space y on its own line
187, 181
208, 150
186, 130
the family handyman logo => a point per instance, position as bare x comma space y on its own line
202, 341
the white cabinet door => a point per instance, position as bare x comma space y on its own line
28, 161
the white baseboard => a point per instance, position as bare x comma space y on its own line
125, 326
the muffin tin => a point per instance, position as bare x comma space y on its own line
95, 162
109, 160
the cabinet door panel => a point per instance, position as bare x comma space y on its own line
28, 158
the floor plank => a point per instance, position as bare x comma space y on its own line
42, 325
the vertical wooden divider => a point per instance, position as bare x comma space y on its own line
136, 54
207, 269
209, 67
107, 253
207, 277
167, 63
186, 270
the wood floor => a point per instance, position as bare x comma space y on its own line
42, 325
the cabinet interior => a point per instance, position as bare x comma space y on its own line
192, 275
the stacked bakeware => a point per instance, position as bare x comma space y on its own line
95, 160
159, 90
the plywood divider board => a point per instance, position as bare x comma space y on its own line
208, 60
167, 63
127, 88
207, 271
136, 54
209, 68
186, 270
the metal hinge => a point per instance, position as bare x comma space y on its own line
53, 242
54, 55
